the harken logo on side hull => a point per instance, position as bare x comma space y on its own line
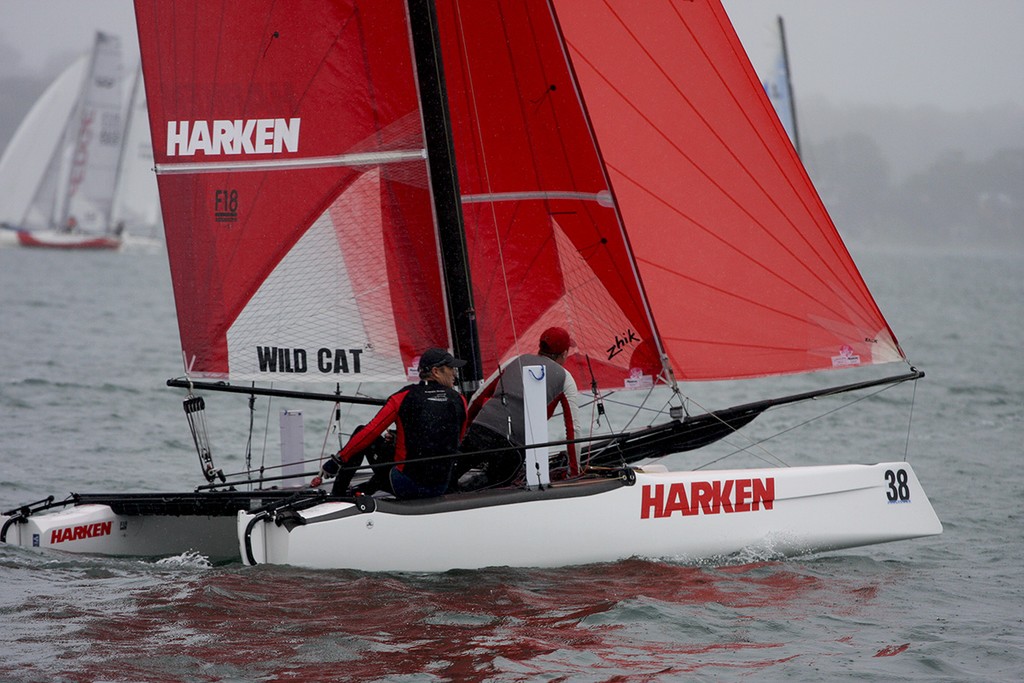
707, 497
76, 533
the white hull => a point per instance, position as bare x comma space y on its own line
138, 524
812, 509
98, 530
687, 516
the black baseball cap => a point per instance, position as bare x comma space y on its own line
433, 358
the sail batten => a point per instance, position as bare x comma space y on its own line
602, 198
349, 160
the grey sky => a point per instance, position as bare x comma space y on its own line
42, 32
956, 55
960, 56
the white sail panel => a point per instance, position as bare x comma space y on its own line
325, 312
30, 151
43, 210
96, 146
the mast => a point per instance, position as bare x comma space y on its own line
444, 183
125, 130
789, 87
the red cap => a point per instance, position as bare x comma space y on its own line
555, 340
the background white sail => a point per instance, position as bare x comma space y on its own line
30, 150
96, 140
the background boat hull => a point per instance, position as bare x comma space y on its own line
57, 240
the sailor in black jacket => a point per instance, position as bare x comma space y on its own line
430, 420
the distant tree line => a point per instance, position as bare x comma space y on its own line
919, 175
953, 201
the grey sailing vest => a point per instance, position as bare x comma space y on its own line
503, 413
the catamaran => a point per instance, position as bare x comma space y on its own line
345, 184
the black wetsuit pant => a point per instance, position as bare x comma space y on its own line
380, 456
502, 465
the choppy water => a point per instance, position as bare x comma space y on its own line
86, 341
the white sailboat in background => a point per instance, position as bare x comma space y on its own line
391, 182
71, 205
779, 86
77, 172
30, 150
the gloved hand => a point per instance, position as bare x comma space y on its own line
331, 467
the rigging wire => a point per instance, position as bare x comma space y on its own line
910, 420
266, 433
347, 414
629, 422
248, 442
598, 403
640, 408
598, 410
332, 425
770, 457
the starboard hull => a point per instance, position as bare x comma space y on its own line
686, 516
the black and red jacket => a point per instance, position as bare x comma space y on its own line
430, 420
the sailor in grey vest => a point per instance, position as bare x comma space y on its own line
497, 414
